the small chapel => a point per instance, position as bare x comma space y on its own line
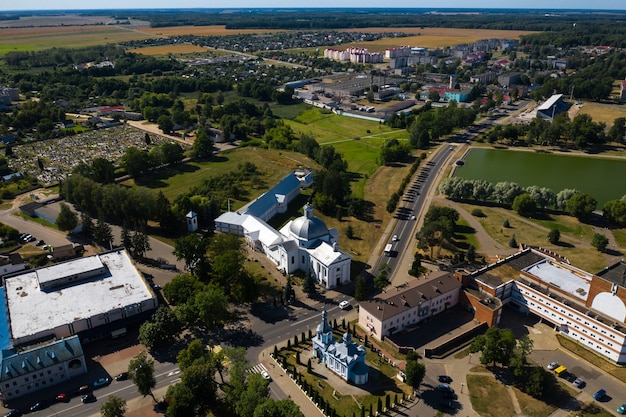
344, 357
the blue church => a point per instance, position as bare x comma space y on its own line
345, 357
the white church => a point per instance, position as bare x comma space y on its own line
303, 244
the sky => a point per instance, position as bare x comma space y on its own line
157, 4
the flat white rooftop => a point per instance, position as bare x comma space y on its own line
571, 281
32, 310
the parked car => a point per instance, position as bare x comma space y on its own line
445, 388
121, 377
444, 379
579, 383
63, 397
13, 413
344, 304
621, 409
84, 389
40, 405
600, 394
88, 398
101, 382
265, 375
553, 365
40, 242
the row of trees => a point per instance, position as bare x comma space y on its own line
581, 132
523, 200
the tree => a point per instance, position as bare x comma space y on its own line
415, 372
360, 288
308, 286
87, 222
141, 372
165, 123
182, 401
524, 204
192, 248
140, 244
277, 408
288, 292
471, 253
182, 288
513, 242
212, 306
497, 345
600, 242
581, 206
350, 232
161, 329
382, 279
102, 233
563, 196
254, 394
67, 220
554, 236
126, 238
135, 161
114, 406
202, 147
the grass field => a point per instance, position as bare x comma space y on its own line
575, 236
489, 398
272, 164
37, 38
605, 113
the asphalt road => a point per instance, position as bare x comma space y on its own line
413, 201
165, 373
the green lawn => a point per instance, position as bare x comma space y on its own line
489, 398
272, 164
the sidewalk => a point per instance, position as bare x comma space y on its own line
287, 385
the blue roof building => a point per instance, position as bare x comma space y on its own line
345, 357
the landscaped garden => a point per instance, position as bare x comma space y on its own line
382, 391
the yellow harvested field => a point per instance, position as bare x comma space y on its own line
203, 31
185, 48
434, 37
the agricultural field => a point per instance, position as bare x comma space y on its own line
434, 37
219, 30
39, 38
178, 49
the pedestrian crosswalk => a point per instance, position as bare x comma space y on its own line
257, 369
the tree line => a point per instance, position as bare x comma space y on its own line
527, 200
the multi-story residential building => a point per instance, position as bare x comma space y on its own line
397, 309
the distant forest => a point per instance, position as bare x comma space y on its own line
312, 19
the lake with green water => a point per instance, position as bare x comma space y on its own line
602, 178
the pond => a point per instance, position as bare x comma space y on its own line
602, 178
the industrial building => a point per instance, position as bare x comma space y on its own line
49, 311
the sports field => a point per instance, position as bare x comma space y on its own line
601, 112
602, 178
